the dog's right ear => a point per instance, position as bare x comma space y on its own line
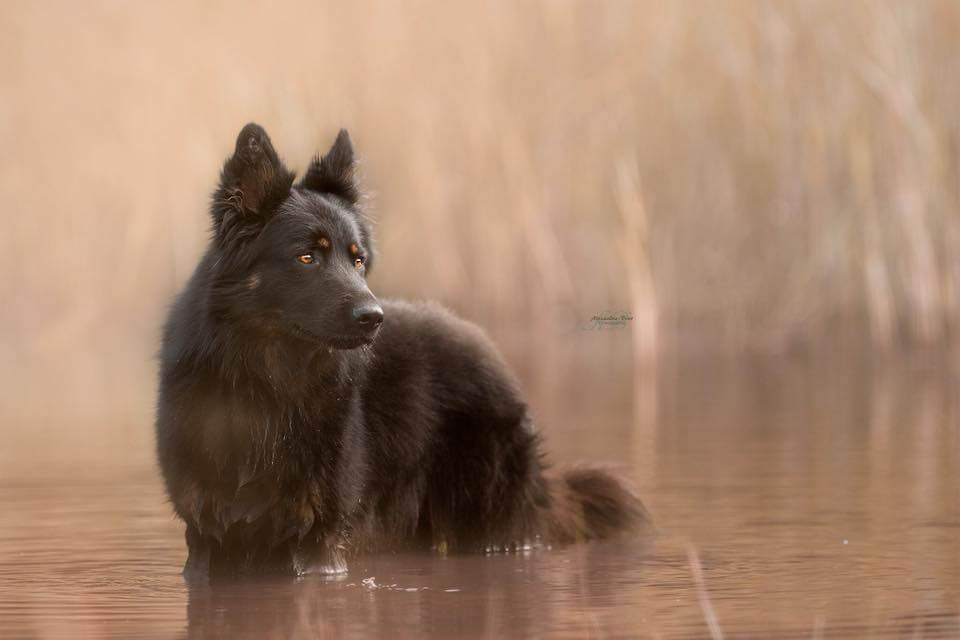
334, 171
253, 183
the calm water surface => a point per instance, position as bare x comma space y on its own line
792, 500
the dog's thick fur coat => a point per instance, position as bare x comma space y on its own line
300, 420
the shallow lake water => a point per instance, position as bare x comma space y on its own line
805, 498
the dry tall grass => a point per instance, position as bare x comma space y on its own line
743, 175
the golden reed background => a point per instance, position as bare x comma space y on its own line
737, 175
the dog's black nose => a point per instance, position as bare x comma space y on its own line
368, 316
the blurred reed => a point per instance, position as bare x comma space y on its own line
737, 175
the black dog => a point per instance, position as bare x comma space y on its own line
299, 420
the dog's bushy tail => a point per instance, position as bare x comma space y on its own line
589, 502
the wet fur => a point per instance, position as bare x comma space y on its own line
288, 443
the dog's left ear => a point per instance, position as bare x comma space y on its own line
253, 183
334, 172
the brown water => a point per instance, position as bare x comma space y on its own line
792, 499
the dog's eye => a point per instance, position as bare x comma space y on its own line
358, 262
306, 258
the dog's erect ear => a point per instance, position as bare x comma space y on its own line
252, 184
334, 172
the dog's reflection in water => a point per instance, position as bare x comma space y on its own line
423, 595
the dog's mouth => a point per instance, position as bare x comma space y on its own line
350, 342
342, 342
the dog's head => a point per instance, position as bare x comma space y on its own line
293, 257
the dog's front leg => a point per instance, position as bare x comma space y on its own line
325, 554
198, 555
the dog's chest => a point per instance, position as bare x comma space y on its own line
281, 473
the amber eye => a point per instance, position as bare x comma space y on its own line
358, 263
306, 258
